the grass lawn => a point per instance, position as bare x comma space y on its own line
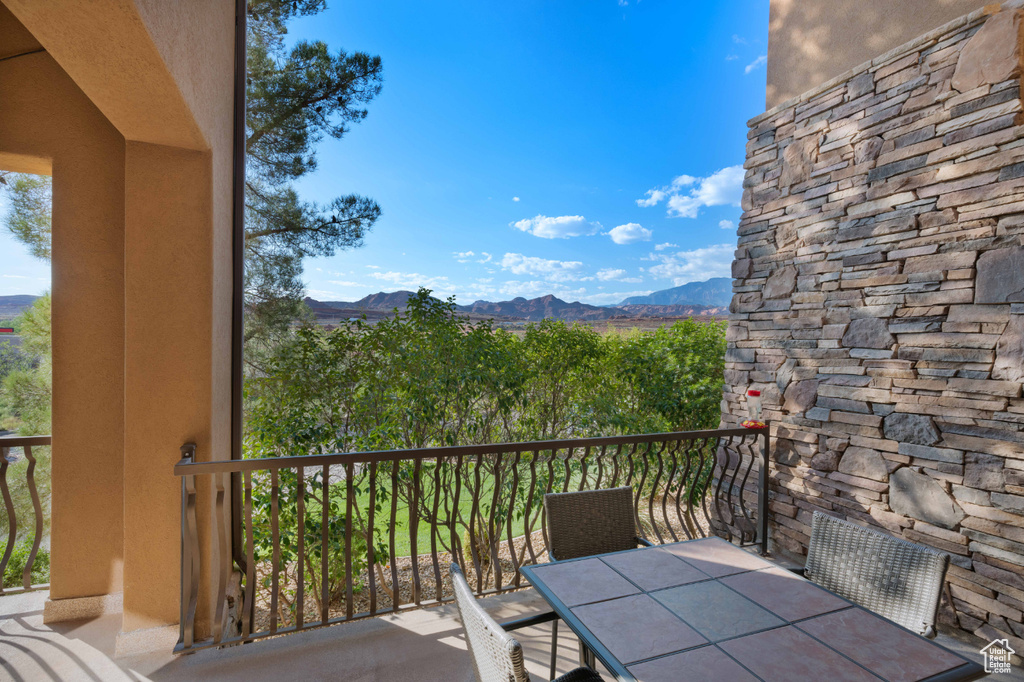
403, 545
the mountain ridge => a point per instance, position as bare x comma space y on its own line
550, 306
716, 291
12, 306
708, 298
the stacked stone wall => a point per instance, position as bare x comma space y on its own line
879, 307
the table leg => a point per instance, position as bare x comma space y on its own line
587, 657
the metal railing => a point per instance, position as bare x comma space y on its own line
332, 538
7, 459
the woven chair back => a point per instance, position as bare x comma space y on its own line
590, 522
496, 656
899, 580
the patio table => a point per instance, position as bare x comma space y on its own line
708, 610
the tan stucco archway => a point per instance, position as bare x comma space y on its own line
129, 106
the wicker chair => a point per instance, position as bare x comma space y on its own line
586, 523
497, 657
894, 578
591, 522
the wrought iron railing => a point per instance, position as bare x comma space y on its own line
332, 538
9, 462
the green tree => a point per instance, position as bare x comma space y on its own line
564, 363
25, 405
25, 376
297, 96
26, 392
426, 377
13, 359
28, 216
676, 373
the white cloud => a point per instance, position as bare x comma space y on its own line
342, 283
666, 245
616, 275
610, 274
604, 298
475, 293
655, 196
535, 288
561, 227
466, 256
694, 266
721, 188
324, 295
738, 40
551, 270
414, 280
652, 198
630, 233
515, 198
373, 267
727, 224
763, 59
732, 57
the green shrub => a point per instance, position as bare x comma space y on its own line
427, 377
16, 565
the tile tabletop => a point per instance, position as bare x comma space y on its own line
652, 629
708, 610
584, 581
715, 611
705, 663
876, 644
784, 593
654, 570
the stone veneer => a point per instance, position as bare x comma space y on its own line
879, 307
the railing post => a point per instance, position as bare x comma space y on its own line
12, 521
189, 554
26, 443
762, 487
33, 489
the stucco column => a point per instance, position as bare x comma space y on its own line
171, 365
48, 124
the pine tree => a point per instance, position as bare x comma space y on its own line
296, 97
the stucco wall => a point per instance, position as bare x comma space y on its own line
160, 75
47, 122
879, 307
812, 41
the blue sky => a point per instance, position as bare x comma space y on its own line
589, 149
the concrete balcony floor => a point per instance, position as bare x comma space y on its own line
427, 644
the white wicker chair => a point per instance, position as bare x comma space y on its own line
497, 657
899, 580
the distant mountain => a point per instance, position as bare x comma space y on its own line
379, 301
384, 301
541, 308
533, 310
12, 306
717, 291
